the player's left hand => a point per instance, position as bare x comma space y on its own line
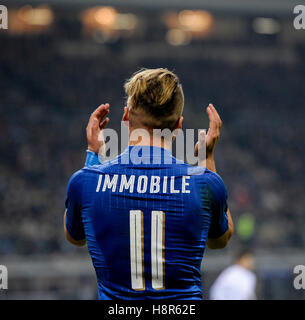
96, 124
211, 138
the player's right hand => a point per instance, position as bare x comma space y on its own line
96, 124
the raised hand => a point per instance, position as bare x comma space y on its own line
211, 138
214, 130
96, 124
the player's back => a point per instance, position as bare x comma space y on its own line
146, 224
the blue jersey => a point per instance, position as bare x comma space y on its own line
146, 217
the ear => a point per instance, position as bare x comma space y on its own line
179, 123
178, 126
126, 114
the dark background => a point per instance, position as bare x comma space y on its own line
54, 75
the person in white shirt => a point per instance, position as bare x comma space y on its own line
237, 282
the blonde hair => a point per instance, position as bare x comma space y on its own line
155, 98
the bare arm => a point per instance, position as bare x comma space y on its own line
96, 144
209, 142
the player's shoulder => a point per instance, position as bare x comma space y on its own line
214, 180
209, 180
85, 173
77, 177
83, 178
104, 167
204, 174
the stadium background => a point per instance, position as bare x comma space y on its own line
60, 60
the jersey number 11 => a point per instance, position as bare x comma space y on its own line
137, 249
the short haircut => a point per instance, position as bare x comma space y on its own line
155, 99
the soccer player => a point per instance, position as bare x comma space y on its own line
147, 223
237, 282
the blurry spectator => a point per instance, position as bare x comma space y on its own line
237, 282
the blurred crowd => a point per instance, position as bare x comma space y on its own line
46, 99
